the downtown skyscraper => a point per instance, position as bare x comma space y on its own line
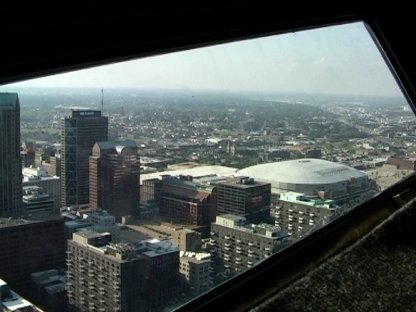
10, 161
115, 178
79, 133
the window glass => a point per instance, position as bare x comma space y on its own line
208, 160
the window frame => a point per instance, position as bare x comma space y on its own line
282, 268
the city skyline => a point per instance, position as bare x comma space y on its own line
242, 158
341, 59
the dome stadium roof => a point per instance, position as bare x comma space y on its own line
302, 171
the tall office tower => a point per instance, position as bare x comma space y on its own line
10, 161
120, 277
115, 178
244, 197
78, 136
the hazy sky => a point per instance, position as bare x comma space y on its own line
337, 60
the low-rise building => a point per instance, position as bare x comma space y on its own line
37, 203
101, 221
402, 163
195, 269
184, 202
187, 240
11, 301
96, 220
49, 290
50, 184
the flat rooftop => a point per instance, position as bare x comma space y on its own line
199, 171
239, 183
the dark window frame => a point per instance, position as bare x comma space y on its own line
55, 53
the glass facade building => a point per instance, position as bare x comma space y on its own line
10, 161
78, 136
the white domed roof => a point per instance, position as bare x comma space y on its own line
302, 171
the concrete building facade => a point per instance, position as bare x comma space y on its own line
195, 269
50, 185
53, 166
97, 280
120, 277
98, 220
187, 240
102, 222
149, 191
238, 245
298, 215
